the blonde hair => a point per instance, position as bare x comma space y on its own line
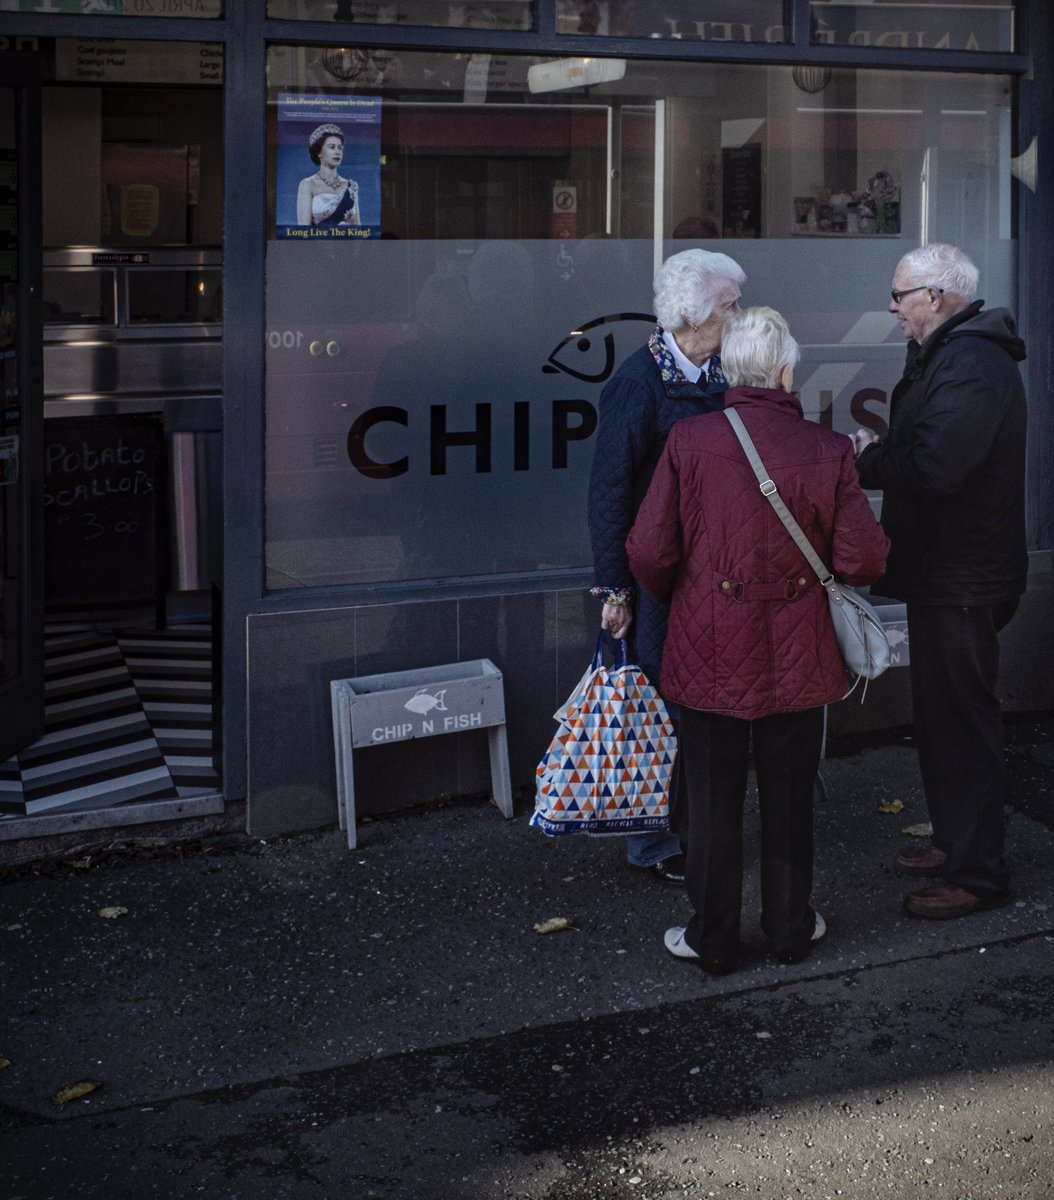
755, 348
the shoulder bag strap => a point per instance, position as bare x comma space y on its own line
769, 491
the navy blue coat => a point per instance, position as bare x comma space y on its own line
637, 411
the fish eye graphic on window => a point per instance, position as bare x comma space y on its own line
598, 351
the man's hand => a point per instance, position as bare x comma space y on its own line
616, 619
862, 439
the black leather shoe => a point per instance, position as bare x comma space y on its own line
670, 870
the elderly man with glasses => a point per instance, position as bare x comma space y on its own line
952, 473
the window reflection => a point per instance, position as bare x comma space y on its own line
714, 21
979, 25
461, 14
466, 148
201, 9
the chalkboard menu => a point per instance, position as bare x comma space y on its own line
104, 511
741, 191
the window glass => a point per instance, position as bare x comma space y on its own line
461, 14
203, 9
436, 352
74, 297
695, 20
982, 25
174, 297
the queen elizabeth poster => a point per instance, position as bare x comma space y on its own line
329, 167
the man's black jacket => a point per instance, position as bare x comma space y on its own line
952, 468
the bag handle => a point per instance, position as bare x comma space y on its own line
621, 651
771, 493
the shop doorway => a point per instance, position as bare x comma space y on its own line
129, 550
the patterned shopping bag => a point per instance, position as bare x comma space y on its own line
608, 768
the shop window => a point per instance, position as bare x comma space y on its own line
79, 297
175, 297
460, 14
145, 162
202, 9
980, 25
716, 21
438, 334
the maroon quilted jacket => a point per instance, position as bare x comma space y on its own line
750, 634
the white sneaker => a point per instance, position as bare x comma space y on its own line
679, 948
675, 943
819, 929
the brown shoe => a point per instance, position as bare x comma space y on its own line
942, 901
920, 860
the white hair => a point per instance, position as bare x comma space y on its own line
756, 346
687, 284
944, 267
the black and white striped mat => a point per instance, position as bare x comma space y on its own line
128, 719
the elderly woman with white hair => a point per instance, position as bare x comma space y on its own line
751, 655
676, 375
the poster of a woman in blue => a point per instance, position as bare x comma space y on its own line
339, 136
326, 198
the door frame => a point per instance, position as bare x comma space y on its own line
22, 697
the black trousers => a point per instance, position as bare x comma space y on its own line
959, 733
715, 752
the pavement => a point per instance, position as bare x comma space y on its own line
295, 1019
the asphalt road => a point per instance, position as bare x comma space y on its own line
297, 1020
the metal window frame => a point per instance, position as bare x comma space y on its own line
545, 41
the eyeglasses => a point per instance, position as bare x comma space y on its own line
925, 287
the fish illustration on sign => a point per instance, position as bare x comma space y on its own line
897, 637
423, 701
600, 351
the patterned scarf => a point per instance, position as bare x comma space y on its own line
664, 360
712, 382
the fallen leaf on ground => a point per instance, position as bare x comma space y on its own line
553, 925
923, 829
76, 1091
891, 806
114, 911
80, 864
4, 1063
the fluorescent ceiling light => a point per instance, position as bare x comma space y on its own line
875, 112
567, 73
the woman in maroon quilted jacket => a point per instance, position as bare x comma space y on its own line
751, 654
